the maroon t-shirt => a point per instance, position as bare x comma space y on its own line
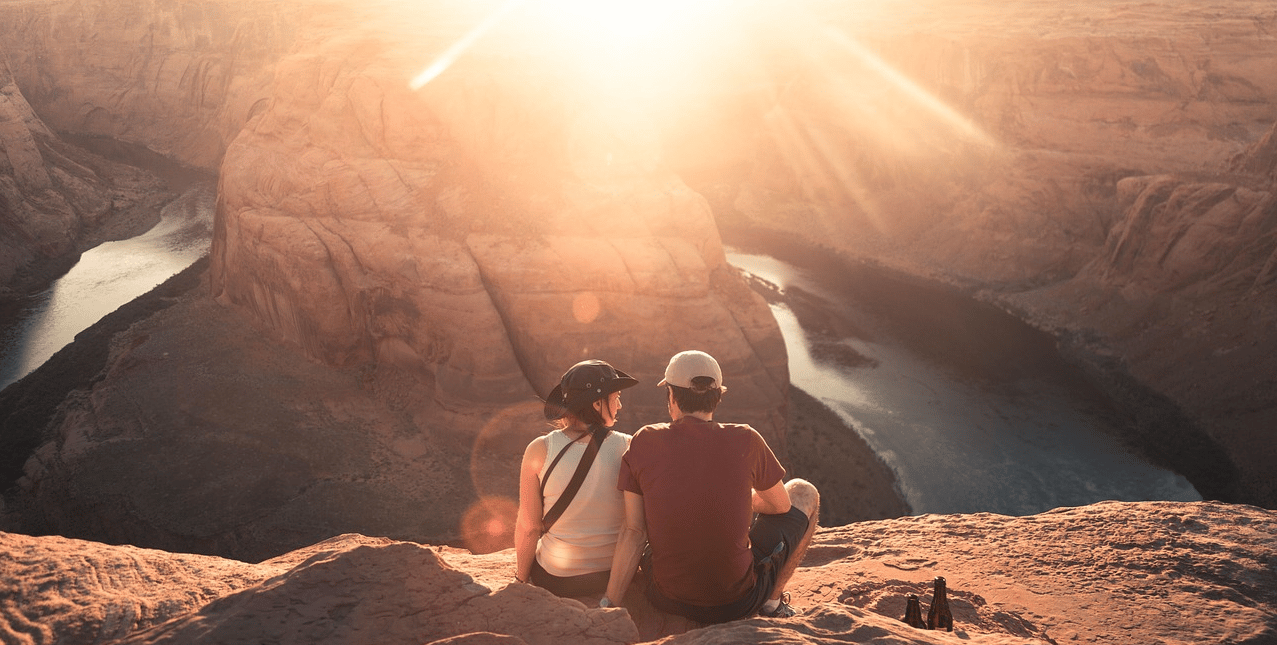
695, 478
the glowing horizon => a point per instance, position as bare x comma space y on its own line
653, 57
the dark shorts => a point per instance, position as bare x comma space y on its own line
772, 539
586, 584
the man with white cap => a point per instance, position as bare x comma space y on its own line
691, 487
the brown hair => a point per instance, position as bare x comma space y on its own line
701, 397
587, 416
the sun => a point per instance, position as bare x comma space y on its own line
801, 72
625, 23
616, 38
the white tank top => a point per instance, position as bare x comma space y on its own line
584, 537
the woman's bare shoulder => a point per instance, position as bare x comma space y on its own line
536, 449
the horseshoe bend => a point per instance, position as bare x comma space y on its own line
426, 211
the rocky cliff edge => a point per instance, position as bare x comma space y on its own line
1106, 573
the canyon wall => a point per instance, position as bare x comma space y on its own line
1102, 171
57, 200
984, 144
429, 259
427, 262
178, 78
519, 224
484, 231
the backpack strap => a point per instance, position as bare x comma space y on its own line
598, 434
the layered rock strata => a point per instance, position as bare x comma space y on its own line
1184, 294
340, 159
174, 424
449, 250
1102, 171
483, 232
428, 260
57, 200
180, 79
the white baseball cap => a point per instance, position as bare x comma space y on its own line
685, 366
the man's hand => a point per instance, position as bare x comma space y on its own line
773, 501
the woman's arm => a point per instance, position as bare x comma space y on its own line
629, 549
527, 524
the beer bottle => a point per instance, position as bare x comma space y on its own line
938, 616
913, 613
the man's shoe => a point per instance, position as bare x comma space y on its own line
783, 610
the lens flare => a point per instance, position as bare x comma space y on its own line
450, 55
586, 307
488, 525
497, 451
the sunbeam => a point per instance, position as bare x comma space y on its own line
916, 93
450, 55
848, 125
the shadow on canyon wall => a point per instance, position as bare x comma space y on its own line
29, 405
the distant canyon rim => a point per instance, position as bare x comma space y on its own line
398, 271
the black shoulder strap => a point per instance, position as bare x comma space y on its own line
554, 463
598, 434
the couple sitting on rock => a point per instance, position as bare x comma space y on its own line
677, 500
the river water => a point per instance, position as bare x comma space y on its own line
106, 277
973, 410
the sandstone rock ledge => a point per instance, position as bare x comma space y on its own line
1112, 572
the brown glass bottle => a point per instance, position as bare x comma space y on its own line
938, 615
913, 613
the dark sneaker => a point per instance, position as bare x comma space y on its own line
783, 610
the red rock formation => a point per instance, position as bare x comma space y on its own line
446, 252
1108, 573
180, 80
429, 241
200, 435
1103, 171
981, 142
481, 232
1185, 290
57, 200
341, 157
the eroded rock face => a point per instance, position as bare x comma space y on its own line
360, 218
1185, 291
449, 250
428, 260
985, 144
1107, 573
178, 79
55, 199
1104, 173
484, 231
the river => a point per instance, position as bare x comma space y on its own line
111, 274
972, 409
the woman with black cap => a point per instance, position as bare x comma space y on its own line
570, 510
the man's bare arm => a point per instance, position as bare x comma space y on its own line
772, 501
629, 549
